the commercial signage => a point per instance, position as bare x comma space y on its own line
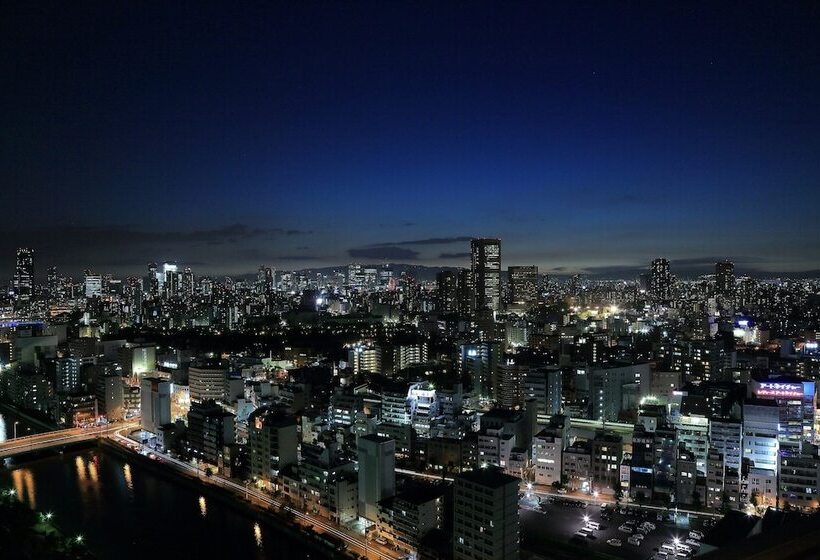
780, 390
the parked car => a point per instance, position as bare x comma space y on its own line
614, 542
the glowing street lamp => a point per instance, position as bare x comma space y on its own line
676, 540
586, 519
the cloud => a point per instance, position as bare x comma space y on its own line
297, 258
118, 236
127, 248
454, 255
427, 241
710, 261
384, 253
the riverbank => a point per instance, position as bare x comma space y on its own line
37, 425
28, 534
126, 508
280, 522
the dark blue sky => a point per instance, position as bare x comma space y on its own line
589, 136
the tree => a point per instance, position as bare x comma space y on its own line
725, 503
696, 501
754, 499
616, 486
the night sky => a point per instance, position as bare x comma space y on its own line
589, 136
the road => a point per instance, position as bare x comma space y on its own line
546, 491
47, 440
353, 540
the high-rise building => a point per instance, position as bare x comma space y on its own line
660, 280
618, 388
485, 516
479, 363
605, 461
464, 291
447, 292
365, 358
273, 439
725, 278
24, 274
210, 429
206, 383
760, 434
155, 403
796, 402
93, 285
377, 473
523, 285
486, 273
544, 385
153, 280
67, 375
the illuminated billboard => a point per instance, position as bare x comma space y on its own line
780, 390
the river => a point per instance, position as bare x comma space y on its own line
126, 512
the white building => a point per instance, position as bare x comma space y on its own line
760, 433
155, 403
547, 450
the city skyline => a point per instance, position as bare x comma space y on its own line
586, 141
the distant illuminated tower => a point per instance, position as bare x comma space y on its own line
486, 273
447, 289
464, 291
660, 280
523, 284
725, 278
24, 274
153, 280
53, 283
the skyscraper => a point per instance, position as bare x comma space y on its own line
447, 291
24, 274
725, 278
660, 280
486, 273
485, 516
155, 403
377, 473
523, 284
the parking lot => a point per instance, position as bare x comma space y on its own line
553, 523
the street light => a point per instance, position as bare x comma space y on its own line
586, 519
676, 540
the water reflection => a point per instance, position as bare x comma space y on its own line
82, 506
257, 534
126, 469
79, 464
24, 486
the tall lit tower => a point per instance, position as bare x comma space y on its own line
660, 280
24, 274
486, 272
523, 284
725, 278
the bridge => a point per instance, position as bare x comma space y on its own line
57, 438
